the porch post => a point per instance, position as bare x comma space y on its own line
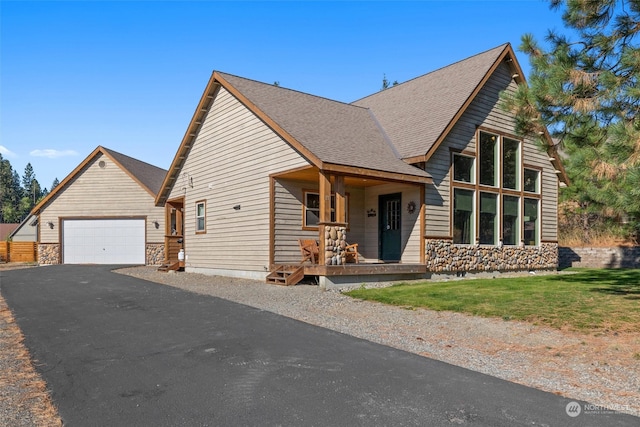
338, 188
325, 212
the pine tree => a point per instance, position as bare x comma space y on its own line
585, 92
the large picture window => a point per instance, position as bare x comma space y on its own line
510, 223
462, 216
531, 225
488, 158
496, 197
311, 209
510, 163
488, 228
201, 212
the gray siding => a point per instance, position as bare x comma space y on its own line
288, 219
228, 165
485, 112
102, 192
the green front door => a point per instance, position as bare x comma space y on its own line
390, 248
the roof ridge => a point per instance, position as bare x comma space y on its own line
501, 47
110, 151
288, 89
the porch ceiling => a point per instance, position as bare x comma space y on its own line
310, 174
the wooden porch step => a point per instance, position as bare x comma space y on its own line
286, 275
175, 266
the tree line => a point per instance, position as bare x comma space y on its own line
18, 195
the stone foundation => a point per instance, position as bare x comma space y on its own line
444, 256
335, 241
48, 253
154, 253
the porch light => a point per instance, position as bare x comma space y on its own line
236, 207
50, 224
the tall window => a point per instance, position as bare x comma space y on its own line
200, 217
510, 163
510, 222
488, 158
311, 209
488, 230
462, 216
531, 219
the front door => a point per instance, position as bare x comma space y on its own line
390, 245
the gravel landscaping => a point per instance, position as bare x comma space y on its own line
602, 368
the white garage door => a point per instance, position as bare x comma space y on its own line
103, 241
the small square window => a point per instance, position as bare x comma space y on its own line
463, 170
311, 209
531, 181
200, 217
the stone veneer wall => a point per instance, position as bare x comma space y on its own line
48, 253
155, 254
612, 257
335, 241
444, 256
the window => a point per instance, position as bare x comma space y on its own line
488, 155
488, 230
311, 209
531, 221
494, 197
531, 181
462, 216
510, 163
463, 170
200, 217
510, 223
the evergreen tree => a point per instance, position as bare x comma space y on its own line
585, 92
55, 183
10, 192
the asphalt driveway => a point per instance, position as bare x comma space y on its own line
116, 350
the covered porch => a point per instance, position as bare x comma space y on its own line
381, 214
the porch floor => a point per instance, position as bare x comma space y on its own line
363, 269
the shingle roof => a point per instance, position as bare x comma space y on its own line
148, 175
414, 114
335, 132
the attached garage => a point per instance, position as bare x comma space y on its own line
103, 241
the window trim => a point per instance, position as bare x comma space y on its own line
204, 217
305, 209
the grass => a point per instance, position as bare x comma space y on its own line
586, 300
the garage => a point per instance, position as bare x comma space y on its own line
103, 241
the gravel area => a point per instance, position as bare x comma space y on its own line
601, 368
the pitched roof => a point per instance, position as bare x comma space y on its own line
147, 176
415, 114
335, 132
6, 230
331, 135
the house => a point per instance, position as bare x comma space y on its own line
103, 212
427, 177
6, 230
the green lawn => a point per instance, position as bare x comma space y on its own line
586, 299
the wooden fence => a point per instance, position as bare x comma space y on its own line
18, 251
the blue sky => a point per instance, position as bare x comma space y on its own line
128, 75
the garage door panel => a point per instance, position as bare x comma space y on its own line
104, 241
